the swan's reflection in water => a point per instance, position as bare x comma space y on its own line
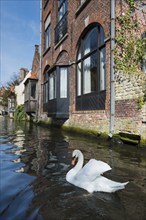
35, 162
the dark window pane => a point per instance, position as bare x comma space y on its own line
79, 54
33, 90
47, 38
90, 41
102, 36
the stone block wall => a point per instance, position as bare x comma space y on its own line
129, 87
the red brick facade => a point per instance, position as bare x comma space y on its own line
79, 19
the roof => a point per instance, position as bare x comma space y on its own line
12, 88
33, 76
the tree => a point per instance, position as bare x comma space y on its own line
8, 90
14, 80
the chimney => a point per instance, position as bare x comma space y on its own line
36, 48
23, 73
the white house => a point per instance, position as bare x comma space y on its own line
19, 90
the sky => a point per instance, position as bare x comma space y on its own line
19, 33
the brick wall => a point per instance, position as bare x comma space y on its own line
36, 61
127, 88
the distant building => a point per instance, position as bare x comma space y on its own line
19, 90
3, 109
23, 74
11, 101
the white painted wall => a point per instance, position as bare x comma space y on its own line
19, 90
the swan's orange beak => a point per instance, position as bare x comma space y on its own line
73, 162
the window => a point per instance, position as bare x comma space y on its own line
61, 27
90, 68
45, 2
52, 85
62, 8
82, 1
33, 89
47, 32
63, 82
45, 87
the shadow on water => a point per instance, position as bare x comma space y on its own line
33, 166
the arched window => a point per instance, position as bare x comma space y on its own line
90, 70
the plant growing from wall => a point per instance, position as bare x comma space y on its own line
144, 97
140, 102
130, 48
19, 114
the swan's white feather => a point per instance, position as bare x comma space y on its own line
93, 169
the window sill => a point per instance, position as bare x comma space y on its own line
81, 7
89, 111
46, 51
60, 42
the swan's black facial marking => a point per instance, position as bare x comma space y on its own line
74, 160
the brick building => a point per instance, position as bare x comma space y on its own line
31, 85
75, 80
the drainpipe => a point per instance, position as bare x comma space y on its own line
40, 72
112, 70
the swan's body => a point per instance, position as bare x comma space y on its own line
89, 177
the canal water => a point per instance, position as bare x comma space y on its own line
33, 165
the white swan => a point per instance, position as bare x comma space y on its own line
89, 177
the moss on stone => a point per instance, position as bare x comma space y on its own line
130, 141
124, 137
143, 142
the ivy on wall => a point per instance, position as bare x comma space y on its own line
130, 47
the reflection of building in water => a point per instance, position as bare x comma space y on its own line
50, 151
50, 156
19, 142
19, 138
40, 161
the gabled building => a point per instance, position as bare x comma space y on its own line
78, 82
31, 93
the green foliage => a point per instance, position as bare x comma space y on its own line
140, 102
14, 80
130, 48
144, 97
19, 114
6, 94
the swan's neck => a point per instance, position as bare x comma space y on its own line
80, 162
72, 173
